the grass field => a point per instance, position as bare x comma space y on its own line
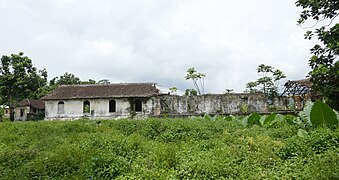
190, 148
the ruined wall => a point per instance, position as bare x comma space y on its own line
241, 103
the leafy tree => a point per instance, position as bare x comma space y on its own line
197, 78
65, 79
268, 81
251, 87
173, 89
19, 79
324, 61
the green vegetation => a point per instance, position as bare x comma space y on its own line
268, 82
324, 61
262, 147
198, 80
19, 79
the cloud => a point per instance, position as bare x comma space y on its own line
157, 41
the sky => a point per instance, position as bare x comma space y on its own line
157, 40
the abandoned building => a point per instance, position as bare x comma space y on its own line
139, 100
298, 93
28, 109
108, 101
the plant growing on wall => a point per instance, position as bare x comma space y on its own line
173, 89
197, 78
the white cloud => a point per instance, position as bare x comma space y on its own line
138, 41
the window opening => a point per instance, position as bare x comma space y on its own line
112, 106
61, 107
138, 106
87, 107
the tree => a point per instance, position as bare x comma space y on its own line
65, 79
324, 61
19, 79
268, 81
197, 78
173, 89
251, 87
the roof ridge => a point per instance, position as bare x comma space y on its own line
121, 83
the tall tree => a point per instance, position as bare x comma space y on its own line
65, 79
324, 61
197, 78
268, 81
19, 79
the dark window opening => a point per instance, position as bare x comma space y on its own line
61, 107
6, 111
138, 106
22, 111
87, 107
112, 106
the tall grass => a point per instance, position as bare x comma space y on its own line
198, 148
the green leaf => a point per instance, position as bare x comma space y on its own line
270, 118
254, 119
302, 133
322, 114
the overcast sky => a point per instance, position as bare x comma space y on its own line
157, 40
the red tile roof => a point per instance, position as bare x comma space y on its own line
103, 91
38, 104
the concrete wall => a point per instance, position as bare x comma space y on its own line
17, 113
99, 108
242, 103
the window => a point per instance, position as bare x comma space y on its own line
112, 106
61, 107
22, 111
87, 107
6, 111
138, 106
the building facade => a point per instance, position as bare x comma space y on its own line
28, 109
98, 101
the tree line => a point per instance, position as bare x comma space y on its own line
19, 80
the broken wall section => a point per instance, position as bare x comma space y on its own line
213, 104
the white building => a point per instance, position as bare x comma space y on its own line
28, 109
102, 101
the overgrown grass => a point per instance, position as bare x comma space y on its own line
195, 148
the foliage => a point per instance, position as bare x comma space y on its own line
324, 61
90, 81
19, 79
268, 82
1, 113
193, 148
322, 115
65, 79
197, 78
173, 89
103, 81
191, 92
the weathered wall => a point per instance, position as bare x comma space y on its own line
99, 108
242, 103
17, 116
